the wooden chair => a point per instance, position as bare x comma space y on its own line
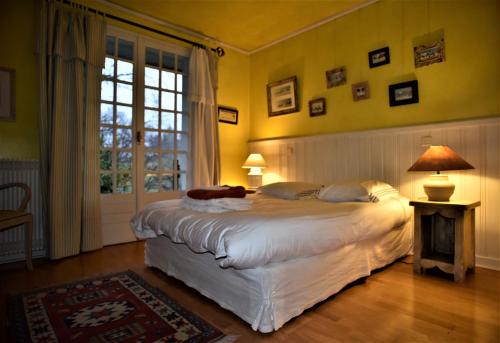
10, 219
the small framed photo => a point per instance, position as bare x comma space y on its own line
336, 77
379, 57
428, 54
282, 97
317, 107
403, 93
360, 91
7, 94
228, 115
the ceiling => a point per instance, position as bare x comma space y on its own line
244, 24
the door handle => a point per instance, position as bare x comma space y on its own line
138, 137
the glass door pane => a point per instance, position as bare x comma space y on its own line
117, 118
165, 124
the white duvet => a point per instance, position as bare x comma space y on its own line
273, 229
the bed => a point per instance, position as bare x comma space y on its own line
272, 262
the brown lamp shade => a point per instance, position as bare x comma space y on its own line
439, 157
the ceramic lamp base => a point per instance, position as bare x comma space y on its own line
438, 187
254, 181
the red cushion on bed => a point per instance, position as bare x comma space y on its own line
207, 194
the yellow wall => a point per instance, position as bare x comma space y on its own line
234, 75
19, 139
465, 86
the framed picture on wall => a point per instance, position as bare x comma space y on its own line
336, 77
403, 93
228, 115
7, 94
428, 54
317, 107
379, 57
282, 97
360, 91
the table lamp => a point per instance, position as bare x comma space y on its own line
255, 162
437, 158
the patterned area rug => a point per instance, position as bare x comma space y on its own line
115, 308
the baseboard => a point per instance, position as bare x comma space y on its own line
488, 262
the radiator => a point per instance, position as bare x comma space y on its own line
12, 240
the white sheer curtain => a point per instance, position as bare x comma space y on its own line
71, 50
204, 131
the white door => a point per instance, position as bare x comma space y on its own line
143, 131
118, 149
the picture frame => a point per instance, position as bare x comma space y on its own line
429, 54
282, 97
379, 57
7, 94
360, 91
228, 115
403, 93
317, 107
336, 77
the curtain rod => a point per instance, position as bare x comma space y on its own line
219, 50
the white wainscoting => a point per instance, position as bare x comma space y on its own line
386, 154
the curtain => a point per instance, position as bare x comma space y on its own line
204, 130
71, 51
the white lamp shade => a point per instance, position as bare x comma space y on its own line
255, 161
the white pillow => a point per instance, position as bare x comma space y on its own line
378, 190
344, 191
291, 190
370, 190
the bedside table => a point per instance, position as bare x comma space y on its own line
444, 236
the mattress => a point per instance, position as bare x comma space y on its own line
273, 230
268, 296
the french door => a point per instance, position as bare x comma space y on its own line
144, 128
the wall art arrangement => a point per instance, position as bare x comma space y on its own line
360, 91
228, 115
403, 93
317, 107
282, 97
7, 94
336, 77
379, 57
429, 54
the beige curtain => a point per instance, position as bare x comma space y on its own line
71, 51
204, 142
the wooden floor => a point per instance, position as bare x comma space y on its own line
393, 305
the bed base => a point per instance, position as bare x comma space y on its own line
267, 297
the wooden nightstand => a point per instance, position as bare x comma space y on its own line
444, 236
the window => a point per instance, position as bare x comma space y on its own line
117, 117
143, 99
165, 121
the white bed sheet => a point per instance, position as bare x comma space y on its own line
267, 297
273, 230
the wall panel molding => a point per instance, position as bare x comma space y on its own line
386, 154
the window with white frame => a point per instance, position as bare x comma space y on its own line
117, 117
165, 121
143, 118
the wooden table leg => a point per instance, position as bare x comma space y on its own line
28, 237
417, 243
460, 259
